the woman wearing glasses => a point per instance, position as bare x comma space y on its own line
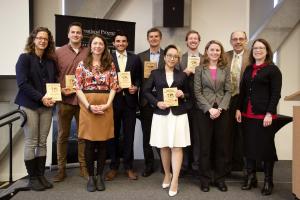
34, 69
259, 95
170, 127
212, 91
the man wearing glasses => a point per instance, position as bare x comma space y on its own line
237, 61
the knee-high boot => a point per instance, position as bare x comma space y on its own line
250, 179
40, 163
34, 183
268, 182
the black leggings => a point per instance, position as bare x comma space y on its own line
95, 150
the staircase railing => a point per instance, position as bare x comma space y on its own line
9, 122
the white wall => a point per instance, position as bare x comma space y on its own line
289, 64
216, 19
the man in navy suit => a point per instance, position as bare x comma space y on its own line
155, 55
125, 104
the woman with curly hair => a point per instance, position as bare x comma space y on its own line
34, 69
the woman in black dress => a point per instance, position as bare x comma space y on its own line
259, 95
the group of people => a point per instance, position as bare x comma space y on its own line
228, 99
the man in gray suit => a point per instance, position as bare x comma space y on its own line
155, 55
238, 59
191, 154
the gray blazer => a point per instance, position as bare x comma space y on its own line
208, 92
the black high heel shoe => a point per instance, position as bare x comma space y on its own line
268, 187
249, 182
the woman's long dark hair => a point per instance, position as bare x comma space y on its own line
269, 56
222, 62
30, 46
106, 59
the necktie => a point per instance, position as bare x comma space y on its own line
235, 72
122, 63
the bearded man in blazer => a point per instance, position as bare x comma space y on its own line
154, 54
191, 154
238, 41
125, 105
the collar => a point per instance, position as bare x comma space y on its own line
118, 54
259, 66
154, 53
238, 54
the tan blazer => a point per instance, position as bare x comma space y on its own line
208, 92
245, 60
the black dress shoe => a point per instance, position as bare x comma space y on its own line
147, 172
204, 187
222, 186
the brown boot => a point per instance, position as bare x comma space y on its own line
109, 176
131, 175
60, 176
83, 172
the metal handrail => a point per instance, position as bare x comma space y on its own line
9, 122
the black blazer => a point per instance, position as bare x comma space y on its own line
32, 88
158, 81
263, 90
133, 65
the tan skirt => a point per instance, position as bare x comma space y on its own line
96, 127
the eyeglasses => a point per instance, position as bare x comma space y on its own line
258, 48
169, 56
41, 38
238, 39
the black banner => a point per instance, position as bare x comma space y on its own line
104, 27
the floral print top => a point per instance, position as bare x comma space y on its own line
95, 80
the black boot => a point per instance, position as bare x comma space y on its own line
100, 183
34, 183
91, 187
250, 180
41, 162
268, 182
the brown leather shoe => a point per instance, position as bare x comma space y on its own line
131, 175
60, 176
110, 175
83, 172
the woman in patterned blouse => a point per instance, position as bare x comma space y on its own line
96, 84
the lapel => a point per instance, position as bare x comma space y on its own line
207, 77
245, 61
163, 78
175, 78
128, 62
220, 74
161, 58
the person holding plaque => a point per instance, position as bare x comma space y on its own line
259, 96
68, 57
128, 66
153, 58
212, 91
96, 85
170, 127
189, 61
34, 70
